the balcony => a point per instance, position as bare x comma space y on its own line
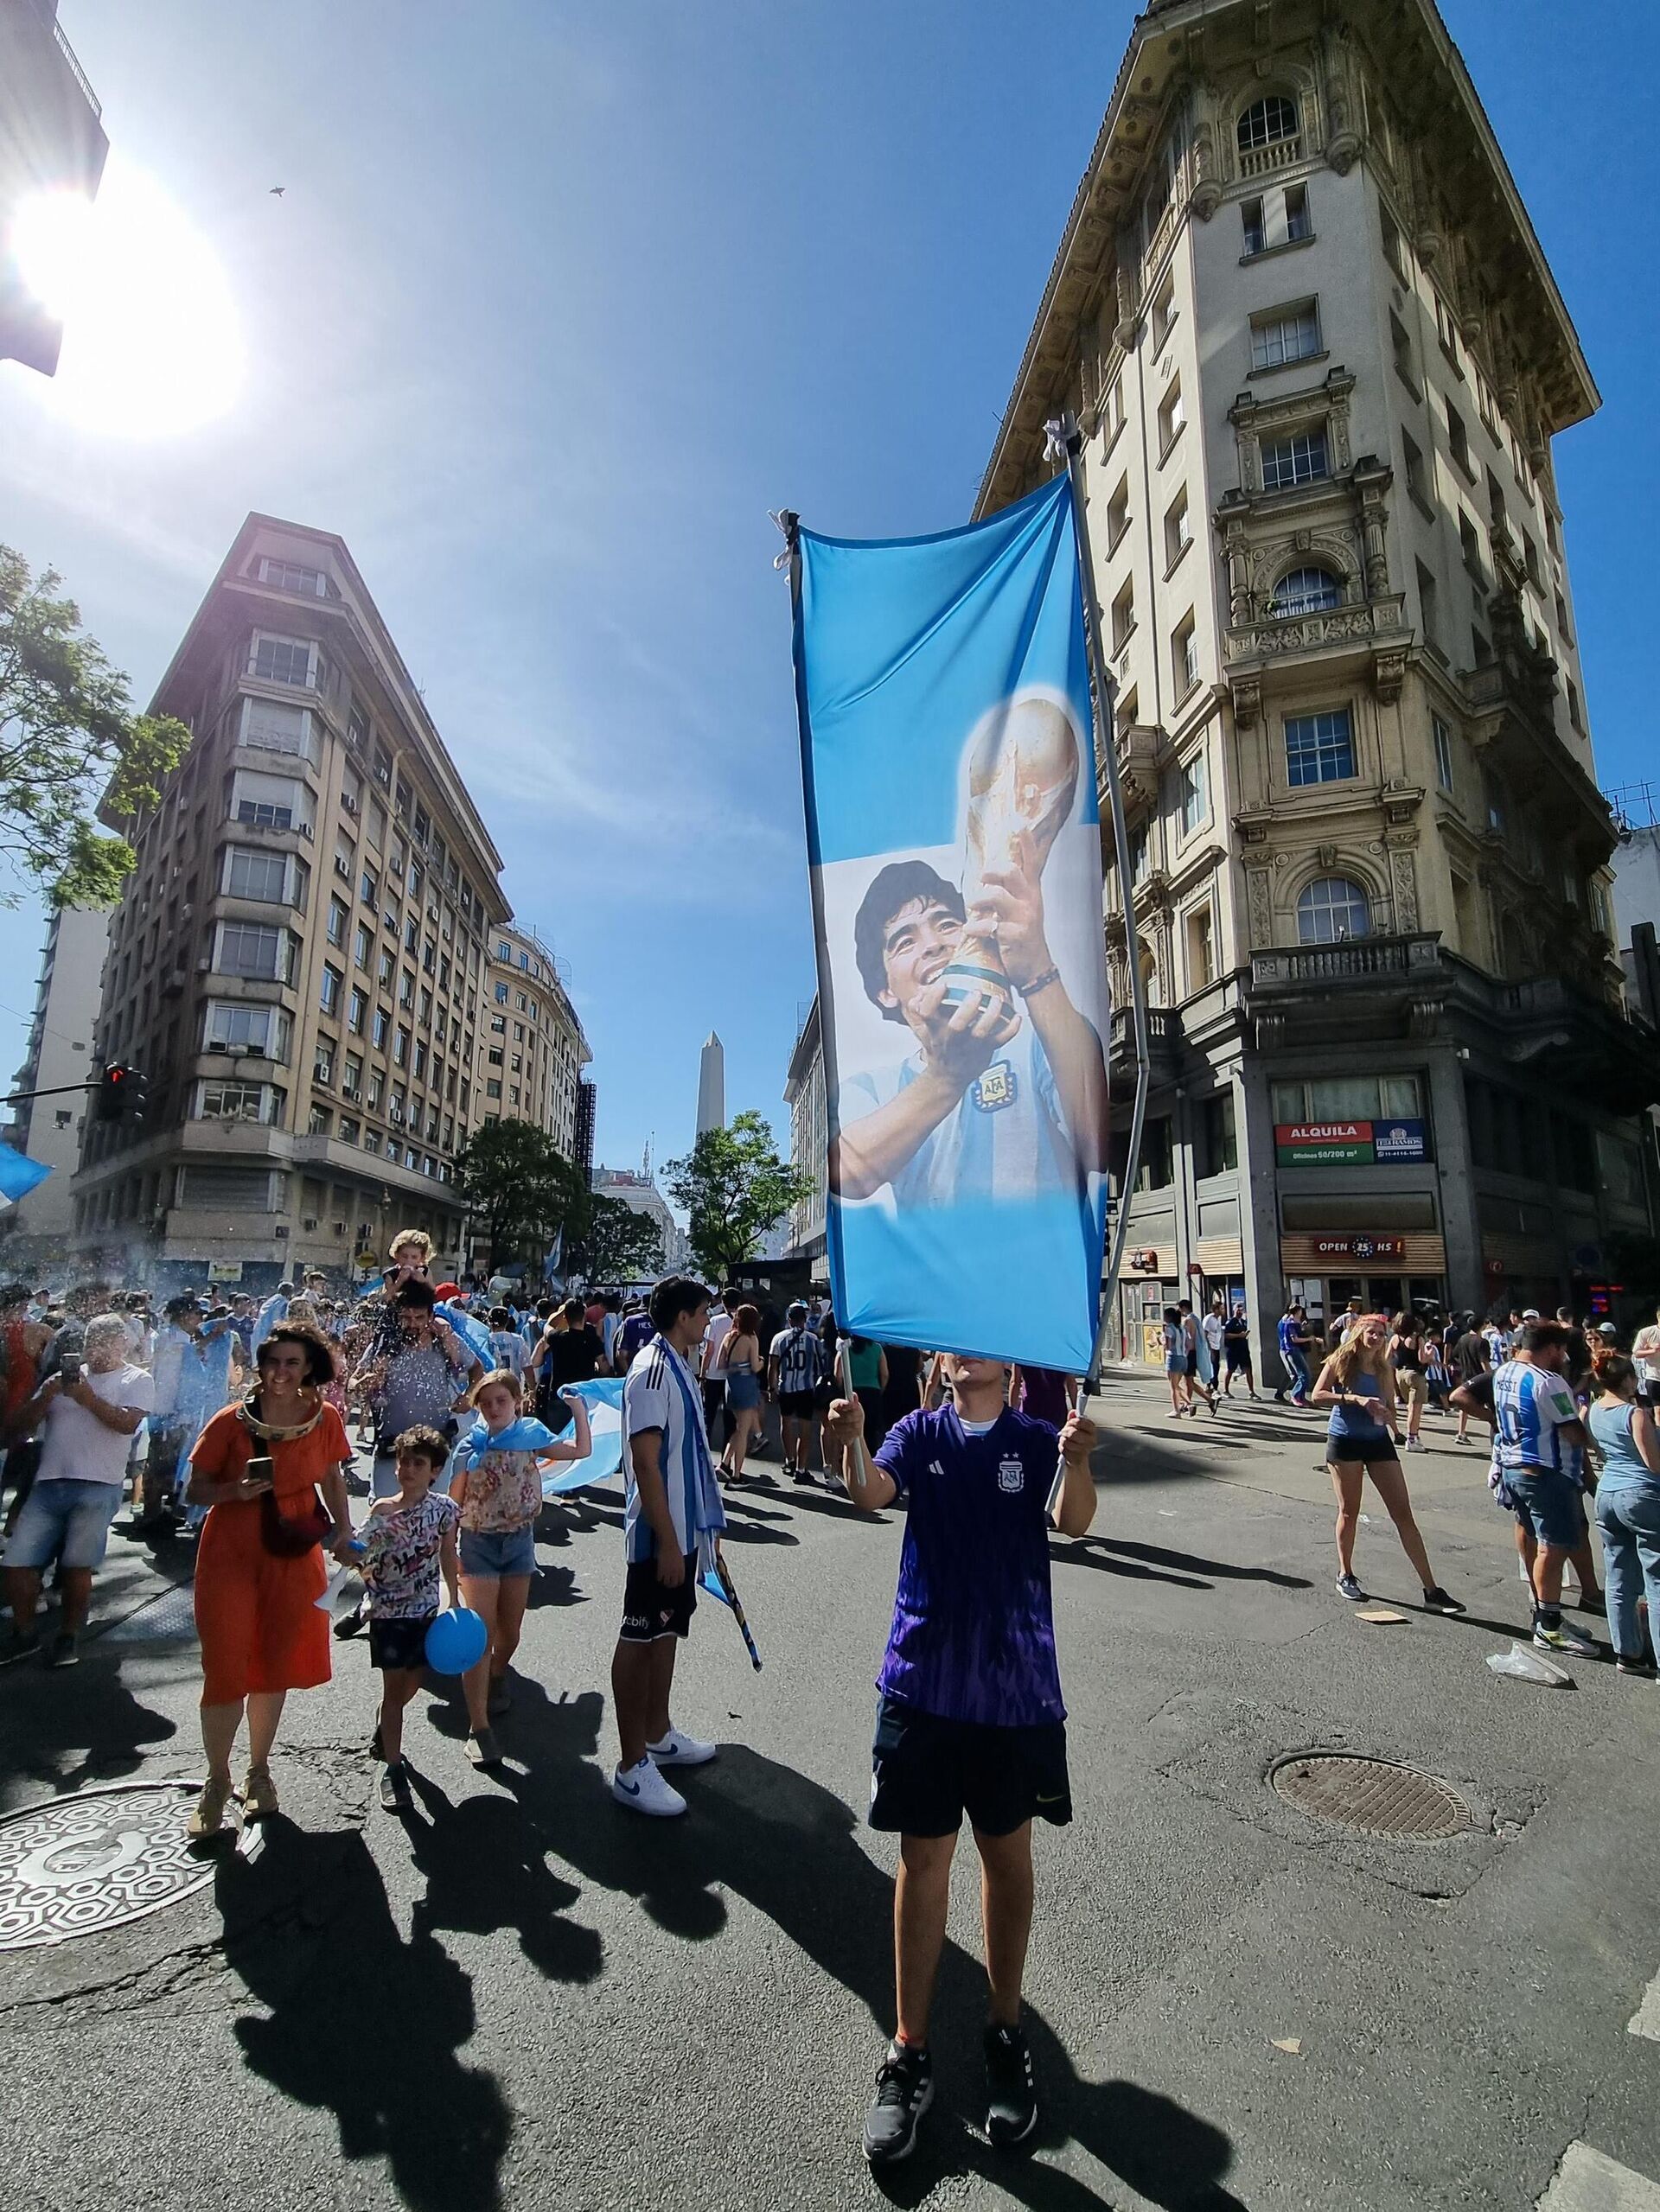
1164, 1048
1269, 159
1138, 745
1363, 623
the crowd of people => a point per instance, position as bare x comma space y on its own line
463, 1404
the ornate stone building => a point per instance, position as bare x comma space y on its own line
1320, 357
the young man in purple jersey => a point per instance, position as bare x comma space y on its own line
970, 1717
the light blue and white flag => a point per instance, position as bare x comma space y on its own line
949, 763
18, 1173
604, 1398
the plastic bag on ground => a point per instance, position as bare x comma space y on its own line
1526, 1665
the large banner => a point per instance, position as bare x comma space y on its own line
953, 837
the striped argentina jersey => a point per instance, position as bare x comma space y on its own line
797, 1352
1530, 1404
659, 1393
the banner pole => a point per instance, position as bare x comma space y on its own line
1066, 438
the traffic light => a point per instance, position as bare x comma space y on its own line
122, 1094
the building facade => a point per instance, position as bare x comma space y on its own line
809, 1141
531, 1046
637, 1190
1318, 359
52, 140
299, 961
59, 1054
582, 1148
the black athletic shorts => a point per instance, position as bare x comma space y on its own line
399, 1643
1369, 1450
650, 1611
798, 1404
1237, 1356
927, 1773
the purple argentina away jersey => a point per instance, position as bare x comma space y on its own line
973, 1636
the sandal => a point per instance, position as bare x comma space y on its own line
209, 1816
259, 1795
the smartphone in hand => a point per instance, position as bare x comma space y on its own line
260, 1469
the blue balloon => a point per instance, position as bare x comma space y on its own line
455, 1641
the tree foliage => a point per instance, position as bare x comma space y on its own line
734, 1188
520, 1188
68, 737
614, 1244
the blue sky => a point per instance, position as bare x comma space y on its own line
561, 299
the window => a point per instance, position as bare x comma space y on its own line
328, 991
1457, 439
1196, 800
288, 576
353, 1085
362, 945
1394, 251
1201, 949
1299, 459
382, 1024
406, 989
1123, 623
356, 1010
500, 994
1172, 418
1575, 713
496, 1056
350, 1130
1218, 1147
337, 918
1470, 540
1416, 482
250, 875
1481, 651
1562, 619
411, 932
1297, 222
1280, 334
249, 948
499, 1025
1163, 312
1353, 1098
377, 1088
1429, 610
1253, 217
244, 1029
1118, 513
273, 726
1331, 911
323, 1066
1112, 412
1320, 748
1493, 792
1307, 591
401, 1048
492, 1089
218, 1099
368, 889
1443, 737
286, 660
1141, 854
1184, 656
1447, 332
1178, 529
1267, 122
1277, 219
268, 803
1401, 346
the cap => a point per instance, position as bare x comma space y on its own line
797, 1305
1530, 1313
1606, 1329
447, 1290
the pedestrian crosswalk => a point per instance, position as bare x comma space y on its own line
1645, 2021
1587, 2181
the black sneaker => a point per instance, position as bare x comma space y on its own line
1011, 2095
1349, 1587
904, 2090
351, 1624
395, 1795
64, 1650
1441, 1601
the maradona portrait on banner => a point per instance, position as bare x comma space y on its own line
986, 959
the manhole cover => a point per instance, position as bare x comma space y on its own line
77, 1866
1371, 1797
172, 1616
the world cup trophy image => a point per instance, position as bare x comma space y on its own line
1022, 779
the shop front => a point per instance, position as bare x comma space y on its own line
1388, 1272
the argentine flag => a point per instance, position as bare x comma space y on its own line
604, 1398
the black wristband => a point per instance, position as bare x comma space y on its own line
1040, 982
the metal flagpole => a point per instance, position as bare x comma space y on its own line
1065, 438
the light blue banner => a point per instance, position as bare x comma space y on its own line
18, 1173
948, 767
604, 1398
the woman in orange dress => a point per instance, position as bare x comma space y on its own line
259, 1569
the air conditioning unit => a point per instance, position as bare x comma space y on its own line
351, 1095
216, 1044
340, 1228
349, 802
343, 869
310, 1222
204, 967
281, 1229
186, 911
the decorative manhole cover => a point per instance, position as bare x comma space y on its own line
77, 1866
1372, 1796
172, 1616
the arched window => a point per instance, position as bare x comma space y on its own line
1331, 911
1266, 122
1307, 591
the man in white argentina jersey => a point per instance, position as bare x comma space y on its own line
1538, 1441
674, 1515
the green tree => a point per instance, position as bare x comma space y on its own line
521, 1189
734, 1188
614, 1244
69, 740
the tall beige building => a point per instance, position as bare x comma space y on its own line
1319, 359
531, 1046
299, 960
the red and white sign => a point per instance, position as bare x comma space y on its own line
1323, 1132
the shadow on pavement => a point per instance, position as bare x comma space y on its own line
68, 1728
788, 1847
1191, 1562
359, 2022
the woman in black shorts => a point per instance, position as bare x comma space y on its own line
1357, 1382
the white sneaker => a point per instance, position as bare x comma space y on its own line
642, 1789
678, 1751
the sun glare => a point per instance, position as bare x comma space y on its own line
152, 345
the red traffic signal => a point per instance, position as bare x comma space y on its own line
123, 1094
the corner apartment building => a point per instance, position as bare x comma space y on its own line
59, 1054
531, 1046
52, 139
299, 961
1319, 358
809, 1143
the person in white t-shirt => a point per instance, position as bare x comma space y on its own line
1645, 1353
91, 1412
712, 1368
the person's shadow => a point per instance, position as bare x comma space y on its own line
787, 1846
359, 2023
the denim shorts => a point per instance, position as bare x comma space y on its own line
76, 1515
1549, 1503
487, 1554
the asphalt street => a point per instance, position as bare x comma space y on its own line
524, 1997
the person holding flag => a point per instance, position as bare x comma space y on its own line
672, 1518
969, 1717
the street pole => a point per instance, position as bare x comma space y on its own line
1066, 440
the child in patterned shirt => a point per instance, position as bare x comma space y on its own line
497, 1482
409, 1540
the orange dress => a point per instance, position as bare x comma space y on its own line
257, 1614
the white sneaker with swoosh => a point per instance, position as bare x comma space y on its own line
642, 1789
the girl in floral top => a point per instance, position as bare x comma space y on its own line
409, 1542
497, 1482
